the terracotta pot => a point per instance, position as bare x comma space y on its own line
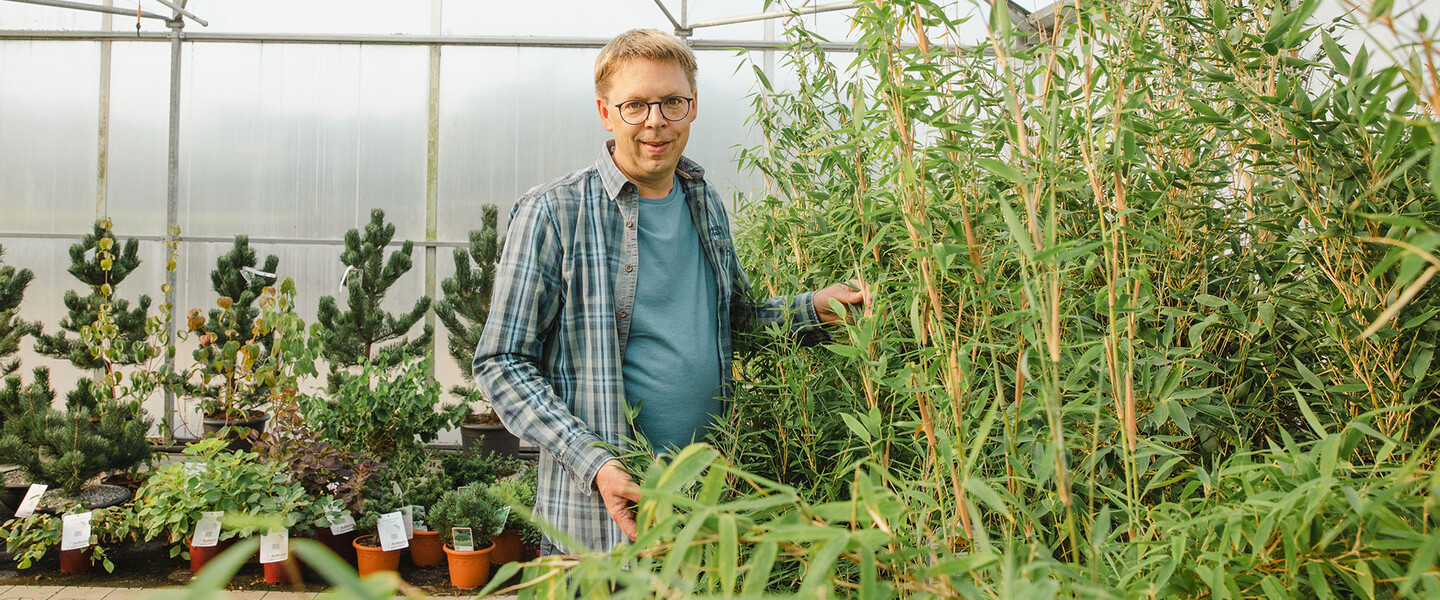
284, 572
508, 548
200, 556
426, 550
371, 559
342, 545
469, 570
75, 561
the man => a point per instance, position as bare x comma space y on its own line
620, 283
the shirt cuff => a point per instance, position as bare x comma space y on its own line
808, 328
583, 460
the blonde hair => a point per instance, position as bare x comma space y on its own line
641, 43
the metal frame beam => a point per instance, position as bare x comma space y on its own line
113, 10
384, 40
775, 14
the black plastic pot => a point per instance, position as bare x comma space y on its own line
10, 499
243, 433
488, 438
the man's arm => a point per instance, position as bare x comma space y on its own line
525, 303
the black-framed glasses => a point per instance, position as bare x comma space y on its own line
673, 108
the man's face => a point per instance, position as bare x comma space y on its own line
647, 153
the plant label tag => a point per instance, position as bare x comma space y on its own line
409, 513
31, 501
464, 540
421, 526
195, 470
275, 546
503, 514
75, 531
391, 527
342, 524
207, 530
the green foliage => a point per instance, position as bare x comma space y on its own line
213, 479
65, 449
465, 304
100, 265
230, 338
238, 378
27, 540
469, 507
354, 335
518, 492
319, 465
12, 327
387, 410
477, 469
1153, 317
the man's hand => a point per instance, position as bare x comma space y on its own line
851, 293
618, 492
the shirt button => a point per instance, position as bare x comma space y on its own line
629, 223
624, 314
629, 269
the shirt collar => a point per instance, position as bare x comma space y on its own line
614, 181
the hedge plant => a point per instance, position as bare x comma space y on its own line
1153, 317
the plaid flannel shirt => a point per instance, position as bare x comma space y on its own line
550, 357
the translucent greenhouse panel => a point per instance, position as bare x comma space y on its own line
512, 119
571, 18
49, 259
139, 136
28, 16
49, 107
313, 16
301, 141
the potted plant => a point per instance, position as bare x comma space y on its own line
463, 309
419, 484
28, 539
172, 500
294, 510
371, 557
519, 534
66, 449
475, 509
385, 410
334, 478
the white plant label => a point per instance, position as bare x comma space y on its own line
463, 539
421, 526
503, 514
391, 527
275, 546
207, 530
409, 512
342, 524
31, 501
75, 531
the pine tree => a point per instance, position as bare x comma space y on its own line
354, 335
94, 262
64, 449
12, 328
231, 323
466, 301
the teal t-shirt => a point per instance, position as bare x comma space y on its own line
672, 360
